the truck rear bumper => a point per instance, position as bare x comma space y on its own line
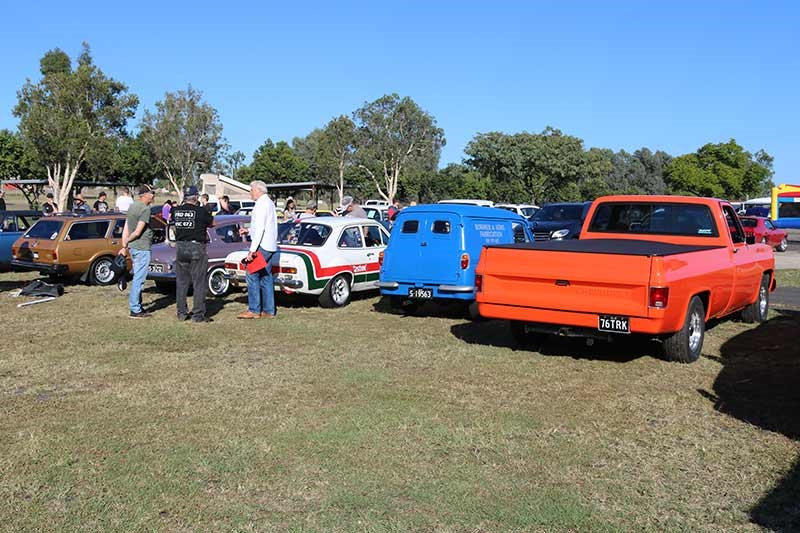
575, 323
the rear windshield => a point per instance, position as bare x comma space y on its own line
749, 222
559, 212
45, 229
654, 219
306, 234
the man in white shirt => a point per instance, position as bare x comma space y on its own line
263, 240
124, 201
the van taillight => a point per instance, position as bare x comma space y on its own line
380, 258
478, 282
659, 296
464, 261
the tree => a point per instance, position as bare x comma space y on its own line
135, 162
393, 135
13, 162
275, 163
233, 162
529, 167
724, 170
182, 133
70, 117
334, 152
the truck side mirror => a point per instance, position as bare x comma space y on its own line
750, 239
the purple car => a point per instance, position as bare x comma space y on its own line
223, 239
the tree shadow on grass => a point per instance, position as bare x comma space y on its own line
760, 384
498, 333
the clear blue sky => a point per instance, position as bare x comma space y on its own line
669, 75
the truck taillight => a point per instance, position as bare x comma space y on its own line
380, 259
464, 261
478, 283
659, 296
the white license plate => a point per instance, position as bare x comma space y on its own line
156, 268
420, 294
614, 324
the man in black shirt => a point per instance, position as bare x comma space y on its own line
191, 224
101, 206
49, 206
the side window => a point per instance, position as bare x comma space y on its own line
737, 233
229, 233
351, 238
410, 226
88, 230
441, 226
769, 224
119, 225
519, 232
9, 224
372, 236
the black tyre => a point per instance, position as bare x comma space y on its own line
526, 339
337, 292
100, 272
783, 245
165, 288
686, 344
757, 311
218, 284
474, 314
401, 303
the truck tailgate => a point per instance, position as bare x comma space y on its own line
612, 284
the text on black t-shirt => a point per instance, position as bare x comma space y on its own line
191, 222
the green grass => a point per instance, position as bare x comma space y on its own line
360, 419
788, 278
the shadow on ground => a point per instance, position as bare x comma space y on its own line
760, 384
497, 333
439, 309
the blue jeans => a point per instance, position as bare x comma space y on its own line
141, 262
261, 287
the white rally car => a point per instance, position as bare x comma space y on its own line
326, 256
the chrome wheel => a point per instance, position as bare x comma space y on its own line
763, 300
340, 291
218, 284
783, 245
102, 273
695, 331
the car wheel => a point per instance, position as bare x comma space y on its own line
100, 272
336, 293
763, 240
526, 339
686, 344
218, 284
757, 311
783, 245
401, 303
474, 314
165, 288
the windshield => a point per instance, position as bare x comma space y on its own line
45, 229
306, 234
556, 212
528, 212
749, 222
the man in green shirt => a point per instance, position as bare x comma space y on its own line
137, 239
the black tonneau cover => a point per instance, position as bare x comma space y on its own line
610, 246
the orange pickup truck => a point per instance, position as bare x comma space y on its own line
655, 265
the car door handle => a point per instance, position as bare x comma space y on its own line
423, 243
113, 242
370, 254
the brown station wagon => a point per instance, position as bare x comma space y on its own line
68, 245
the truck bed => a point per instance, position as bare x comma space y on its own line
610, 246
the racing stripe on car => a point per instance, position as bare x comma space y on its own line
318, 276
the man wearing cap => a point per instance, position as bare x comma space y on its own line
311, 211
79, 205
191, 233
350, 208
137, 238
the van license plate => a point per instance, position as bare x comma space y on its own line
614, 324
420, 294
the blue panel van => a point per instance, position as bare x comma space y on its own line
435, 248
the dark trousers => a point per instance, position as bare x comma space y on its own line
191, 265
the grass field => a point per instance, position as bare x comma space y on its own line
361, 419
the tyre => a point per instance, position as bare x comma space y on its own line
100, 272
686, 344
336, 293
401, 303
218, 284
757, 311
783, 245
474, 314
526, 339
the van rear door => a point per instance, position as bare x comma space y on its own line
440, 248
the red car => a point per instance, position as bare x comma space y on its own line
765, 232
